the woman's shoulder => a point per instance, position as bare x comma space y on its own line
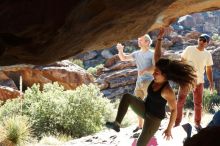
167, 91
167, 88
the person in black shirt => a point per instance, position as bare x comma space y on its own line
152, 110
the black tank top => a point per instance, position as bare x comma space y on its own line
155, 103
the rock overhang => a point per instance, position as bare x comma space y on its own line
44, 31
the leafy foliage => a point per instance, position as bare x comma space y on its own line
216, 37
55, 111
78, 62
209, 100
16, 130
189, 101
93, 70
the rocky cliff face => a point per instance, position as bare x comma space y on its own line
43, 31
65, 73
119, 77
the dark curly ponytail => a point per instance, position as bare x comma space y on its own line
177, 71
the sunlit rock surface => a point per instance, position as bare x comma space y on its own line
65, 73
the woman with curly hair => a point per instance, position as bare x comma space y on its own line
152, 110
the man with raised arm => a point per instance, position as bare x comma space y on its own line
145, 60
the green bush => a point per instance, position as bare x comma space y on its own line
93, 70
210, 101
3, 134
215, 37
89, 110
45, 108
78, 62
10, 108
15, 130
189, 101
54, 111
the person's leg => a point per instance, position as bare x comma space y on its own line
140, 121
138, 92
151, 125
127, 100
180, 104
141, 92
197, 95
136, 104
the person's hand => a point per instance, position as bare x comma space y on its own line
211, 88
167, 134
120, 47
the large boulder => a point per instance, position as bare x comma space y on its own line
9, 93
65, 73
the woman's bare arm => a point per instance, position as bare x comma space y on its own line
169, 95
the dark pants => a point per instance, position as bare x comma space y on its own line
151, 123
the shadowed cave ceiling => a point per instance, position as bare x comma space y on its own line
44, 31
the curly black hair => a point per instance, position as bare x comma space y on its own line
177, 71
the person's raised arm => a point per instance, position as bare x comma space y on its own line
169, 95
122, 55
157, 53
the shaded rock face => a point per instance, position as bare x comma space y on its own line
6, 81
43, 31
8, 89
